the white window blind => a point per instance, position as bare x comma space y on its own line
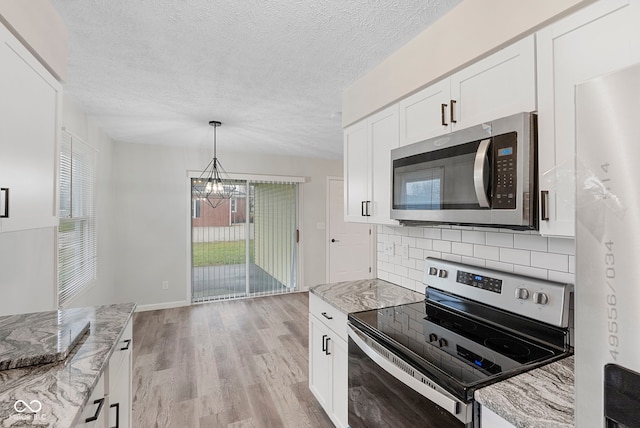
77, 246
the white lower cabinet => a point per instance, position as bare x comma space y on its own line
110, 403
489, 419
328, 358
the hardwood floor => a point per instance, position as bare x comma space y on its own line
240, 363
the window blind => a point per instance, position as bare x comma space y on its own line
77, 246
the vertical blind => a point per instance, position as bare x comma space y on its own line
77, 246
246, 246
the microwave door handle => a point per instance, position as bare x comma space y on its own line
479, 173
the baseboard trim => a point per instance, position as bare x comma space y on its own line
166, 305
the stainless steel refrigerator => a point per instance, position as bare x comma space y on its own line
607, 296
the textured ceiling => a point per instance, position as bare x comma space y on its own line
157, 71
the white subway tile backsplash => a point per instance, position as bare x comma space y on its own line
485, 252
424, 244
416, 274
500, 239
416, 253
408, 240
530, 271
474, 261
442, 246
383, 275
462, 248
558, 262
562, 246
432, 233
499, 266
452, 257
396, 279
409, 263
530, 242
474, 237
451, 235
396, 239
416, 232
435, 254
519, 257
401, 270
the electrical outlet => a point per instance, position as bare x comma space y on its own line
389, 249
165, 285
404, 250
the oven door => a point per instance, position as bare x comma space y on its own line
386, 392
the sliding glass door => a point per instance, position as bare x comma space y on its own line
246, 245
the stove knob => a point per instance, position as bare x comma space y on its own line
522, 293
540, 298
433, 337
433, 271
442, 273
443, 343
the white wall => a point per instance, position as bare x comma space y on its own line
470, 31
525, 253
78, 123
151, 202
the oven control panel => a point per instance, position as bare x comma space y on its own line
480, 281
543, 300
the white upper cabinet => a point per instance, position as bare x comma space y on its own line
596, 40
29, 123
497, 86
367, 167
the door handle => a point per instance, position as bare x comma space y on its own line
5, 214
334, 240
453, 103
479, 172
544, 205
443, 108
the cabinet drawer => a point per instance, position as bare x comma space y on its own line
331, 316
121, 354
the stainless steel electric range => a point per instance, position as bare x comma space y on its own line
419, 364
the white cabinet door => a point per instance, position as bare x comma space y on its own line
489, 419
596, 40
367, 167
356, 172
93, 413
383, 136
497, 86
29, 108
319, 363
120, 378
340, 381
425, 114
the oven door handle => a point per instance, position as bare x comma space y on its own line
450, 405
479, 181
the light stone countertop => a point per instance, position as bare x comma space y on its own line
362, 295
62, 388
540, 398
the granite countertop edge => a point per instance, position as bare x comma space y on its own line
63, 388
540, 398
366, 294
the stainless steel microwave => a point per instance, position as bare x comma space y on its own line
484, 175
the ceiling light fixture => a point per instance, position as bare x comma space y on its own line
214, 184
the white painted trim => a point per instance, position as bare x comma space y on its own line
326, 227
300, 286
166, 305
257, 177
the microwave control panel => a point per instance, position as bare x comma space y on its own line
505, 171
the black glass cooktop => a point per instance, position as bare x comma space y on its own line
459, 343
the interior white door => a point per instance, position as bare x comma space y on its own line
350, 246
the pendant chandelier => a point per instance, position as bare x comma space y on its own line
214, 184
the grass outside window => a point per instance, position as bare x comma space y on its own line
221, 253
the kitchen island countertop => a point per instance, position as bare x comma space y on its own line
540, 398
59, 390
362, 295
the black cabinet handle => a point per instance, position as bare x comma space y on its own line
326, 351
362, 214
453, 103
544, 205
324, 343
368, 212
5, 214
443, 108
117, 406
100, 403
324, 314
128, 342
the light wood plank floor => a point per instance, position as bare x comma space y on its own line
239, 363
